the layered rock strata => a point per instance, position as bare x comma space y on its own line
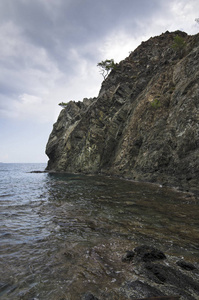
144, 124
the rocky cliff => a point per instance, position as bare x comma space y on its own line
144, 124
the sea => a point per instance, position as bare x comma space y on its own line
63, 235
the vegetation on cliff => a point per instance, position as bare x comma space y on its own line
106, 66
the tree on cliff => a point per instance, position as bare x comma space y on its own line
63, 104
106, 66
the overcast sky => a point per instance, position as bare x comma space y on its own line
49, 50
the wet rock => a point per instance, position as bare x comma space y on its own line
37, 172
3, 286
157, 273
163, 274
185, 265
160, 298
89, 296
148, 253
128, 256
158, 276
141, 289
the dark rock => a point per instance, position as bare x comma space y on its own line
160, 298
148, 253
165, 274
128, 256
142, 289
185, 265
159, 278
89, 296
157, 273
38, 172
3, 286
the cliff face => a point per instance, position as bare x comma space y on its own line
143, 125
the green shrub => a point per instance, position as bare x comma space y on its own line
155, 103
179, 43
63, 104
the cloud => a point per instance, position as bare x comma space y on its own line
45, 43
184, 14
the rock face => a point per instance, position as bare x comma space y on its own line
144, 124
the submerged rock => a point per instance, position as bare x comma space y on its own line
37, 172
144, 253
89, 296
144, 123
161, 273
148, 253
128, 256
185, 265
142, 289
160, 298
157, 276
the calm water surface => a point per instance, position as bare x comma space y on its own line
62, 235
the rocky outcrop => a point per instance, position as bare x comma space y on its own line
154, 276
144, 124
160, 277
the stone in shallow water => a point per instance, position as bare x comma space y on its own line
142, 289
160, 298
89, 296
128, 256
185, 265
148, 253
158, 273
167, 275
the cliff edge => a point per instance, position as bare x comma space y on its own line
144, 124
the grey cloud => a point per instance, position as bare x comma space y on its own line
59, 26
7, 89
73, 23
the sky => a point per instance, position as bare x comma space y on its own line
49, 51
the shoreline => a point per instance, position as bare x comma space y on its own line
179, 189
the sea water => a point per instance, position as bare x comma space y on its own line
62, 235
